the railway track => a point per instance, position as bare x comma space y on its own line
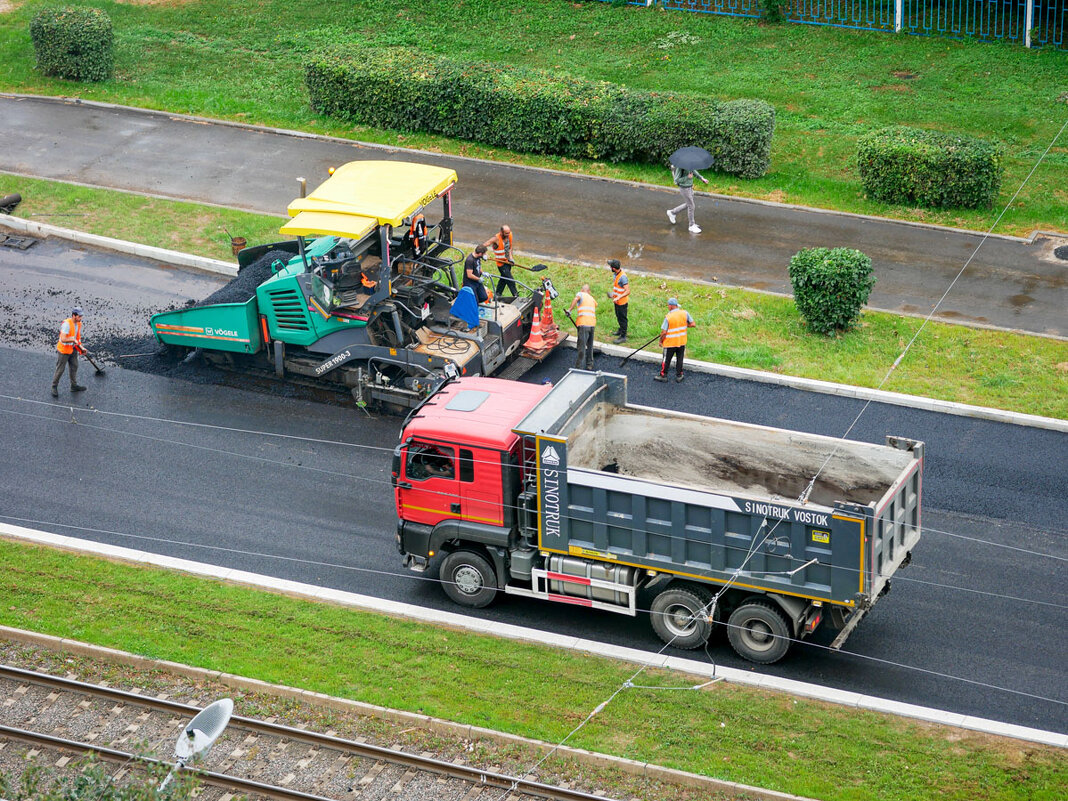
253, 758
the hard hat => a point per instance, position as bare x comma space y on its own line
673, 301
77, 310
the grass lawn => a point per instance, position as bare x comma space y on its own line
736, 327
729, 732
239, 60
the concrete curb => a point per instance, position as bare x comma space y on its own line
438, 725
176, 258
845, 390
520, 633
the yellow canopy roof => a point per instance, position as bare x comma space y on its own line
388, 191
318, 223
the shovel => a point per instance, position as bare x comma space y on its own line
99, 369
639, 348
537, 268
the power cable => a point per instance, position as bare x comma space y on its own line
437, 581
364, 446
750, 551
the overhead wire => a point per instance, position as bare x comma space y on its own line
749, 551
364, 446
242, 552
710, 607
803, 497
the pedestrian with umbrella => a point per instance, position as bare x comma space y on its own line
685, 163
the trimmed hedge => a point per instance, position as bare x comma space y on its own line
830, 286
73, 43
928, 168
535, 110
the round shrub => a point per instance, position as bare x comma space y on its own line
830, 286
929, 168
73, 43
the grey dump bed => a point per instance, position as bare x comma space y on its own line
713, 499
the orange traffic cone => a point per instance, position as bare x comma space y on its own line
535, 342
547, 319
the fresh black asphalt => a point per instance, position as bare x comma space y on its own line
321, 512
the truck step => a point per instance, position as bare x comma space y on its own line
517, 368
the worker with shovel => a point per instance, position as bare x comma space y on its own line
69, 346
673, 339
585, 320
500, 245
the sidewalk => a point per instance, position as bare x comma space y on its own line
1010, 282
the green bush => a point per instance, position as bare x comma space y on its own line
73, 43
830, 286
535, 111
928, 168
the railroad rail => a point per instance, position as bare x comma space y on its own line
339, 767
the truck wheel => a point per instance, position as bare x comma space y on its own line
468, 579
758, 632
678, 620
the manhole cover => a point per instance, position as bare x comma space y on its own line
1061, 252
18, 242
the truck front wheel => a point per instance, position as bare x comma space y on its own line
758, 632
468, 579
678, 618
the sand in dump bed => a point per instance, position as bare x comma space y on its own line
732, 458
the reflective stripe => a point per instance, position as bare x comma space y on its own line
677, 323
502, 252
587, 309
72, 328
620, 292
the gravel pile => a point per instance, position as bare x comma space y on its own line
248, 279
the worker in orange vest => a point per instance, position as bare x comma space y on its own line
500, 246
69, 346
585, 320
673, 339
620, 297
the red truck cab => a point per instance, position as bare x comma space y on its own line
459, 465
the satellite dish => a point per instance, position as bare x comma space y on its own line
203, 730
201, 733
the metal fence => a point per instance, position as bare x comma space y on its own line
1032, 23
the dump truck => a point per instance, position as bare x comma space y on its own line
364, 295
571, 494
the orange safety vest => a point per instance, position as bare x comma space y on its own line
586, 314
676, 328
76, 329
501, 254
620, 292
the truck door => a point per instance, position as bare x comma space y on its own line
480, 486
428, 489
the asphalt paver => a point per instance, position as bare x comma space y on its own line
1009, 282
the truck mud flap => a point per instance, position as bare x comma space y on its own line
850, 624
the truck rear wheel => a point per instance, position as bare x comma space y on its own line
758, 632
468, 579
678, 618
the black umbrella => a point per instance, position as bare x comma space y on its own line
691, 158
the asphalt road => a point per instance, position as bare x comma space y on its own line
975, 625
1009, 282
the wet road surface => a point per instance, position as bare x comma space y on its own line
1009, 283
